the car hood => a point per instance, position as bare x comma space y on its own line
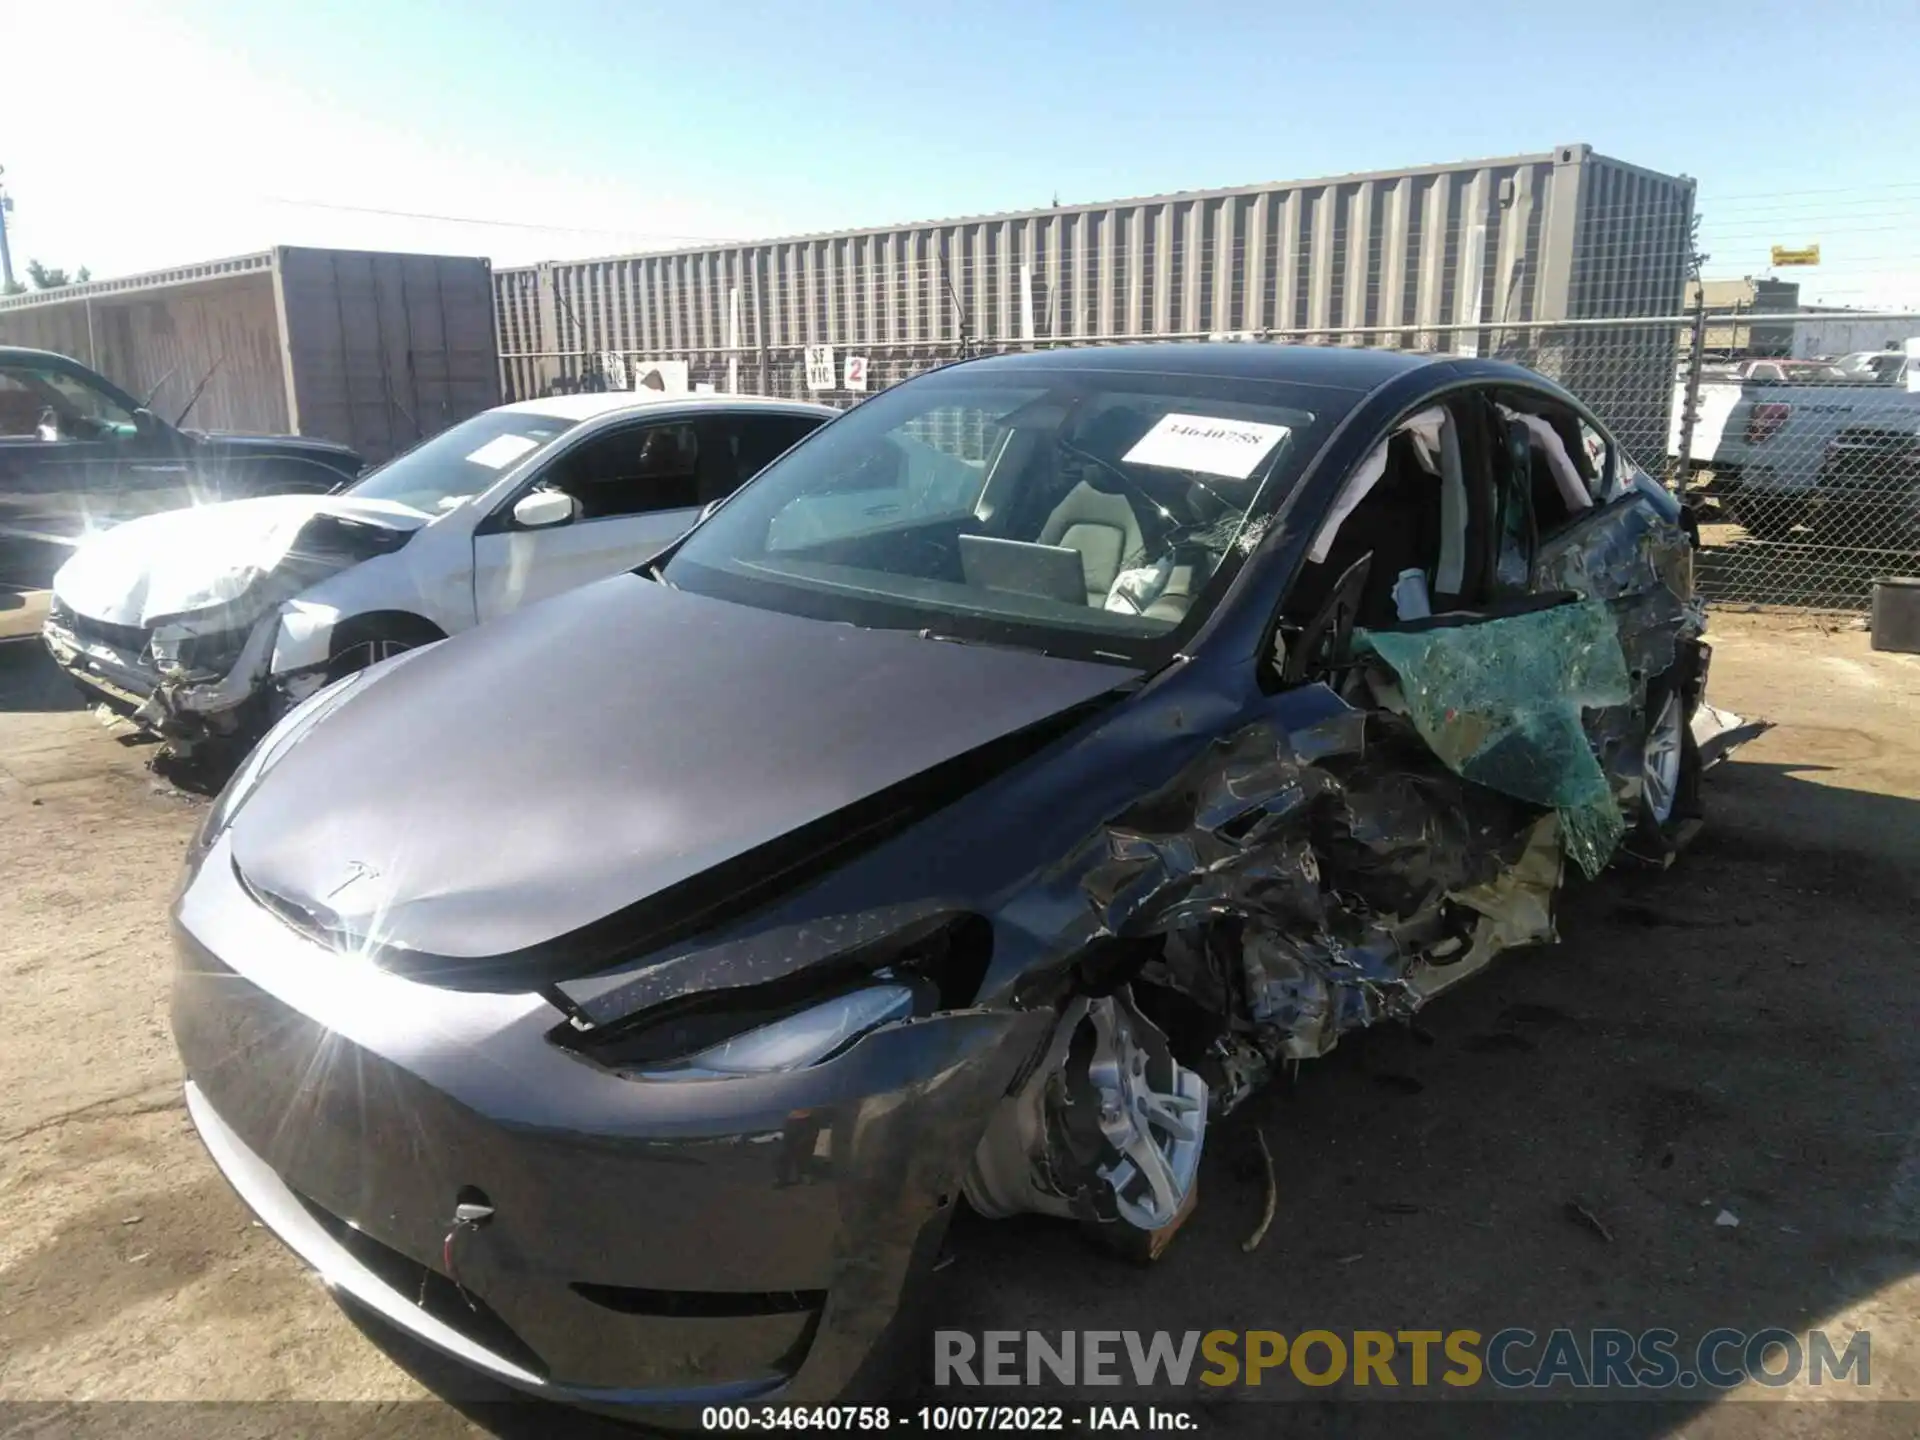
176, 562
530, 796
258, 447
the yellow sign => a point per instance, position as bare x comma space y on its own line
1809, 256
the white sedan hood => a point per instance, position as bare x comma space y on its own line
179, 561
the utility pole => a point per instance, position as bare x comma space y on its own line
6, 256
1690, 397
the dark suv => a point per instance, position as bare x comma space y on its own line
77, 452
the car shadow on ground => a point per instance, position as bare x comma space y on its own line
1554, 1144
30, 683
29, 680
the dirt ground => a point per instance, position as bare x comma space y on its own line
1739, 1033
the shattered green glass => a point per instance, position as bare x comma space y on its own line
1500, 703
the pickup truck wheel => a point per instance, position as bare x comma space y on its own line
1766, 517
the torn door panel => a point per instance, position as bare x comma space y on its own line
1500, 702
1298, 898
1630, 557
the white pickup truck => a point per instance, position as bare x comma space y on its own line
1789, 442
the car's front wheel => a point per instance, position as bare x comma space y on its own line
1108, 1129
1669, 773
1662, 760
360, 643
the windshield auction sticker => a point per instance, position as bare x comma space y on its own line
1207, 445
502, 450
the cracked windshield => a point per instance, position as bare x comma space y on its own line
1061, 501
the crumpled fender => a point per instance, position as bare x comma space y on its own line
304, 635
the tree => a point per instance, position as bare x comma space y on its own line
1696, 257
45, 279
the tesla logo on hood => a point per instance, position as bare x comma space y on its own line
357, 870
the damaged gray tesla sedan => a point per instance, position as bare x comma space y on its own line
981, 802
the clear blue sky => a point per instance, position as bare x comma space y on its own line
624, 120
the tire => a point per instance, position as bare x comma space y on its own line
1766, 517
358, 644
1670, 773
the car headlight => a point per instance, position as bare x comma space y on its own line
813, 1035
682, 1020
274, 744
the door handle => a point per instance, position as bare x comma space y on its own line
882, 510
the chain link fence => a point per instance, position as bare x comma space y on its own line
1805, 474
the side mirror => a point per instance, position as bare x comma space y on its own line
146, 424
543, 509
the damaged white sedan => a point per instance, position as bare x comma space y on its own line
205, 623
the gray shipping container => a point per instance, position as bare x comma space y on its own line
1567, 234
1418, 258
370, 348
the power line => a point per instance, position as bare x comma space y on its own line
1872, 189
499, 224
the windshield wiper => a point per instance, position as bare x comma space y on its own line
985, 644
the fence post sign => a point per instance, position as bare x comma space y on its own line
856, 372
820, 367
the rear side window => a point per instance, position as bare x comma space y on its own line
634, 470
20, 409
741, 446
52, 405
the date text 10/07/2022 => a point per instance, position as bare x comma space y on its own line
972, 1419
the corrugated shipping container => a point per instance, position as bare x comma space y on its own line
1562, 235
373, 349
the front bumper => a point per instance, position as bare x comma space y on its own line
120, 675
659, 1244
119, 669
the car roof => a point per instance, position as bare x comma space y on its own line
27, 352
608, 402
27, 355
1334, 366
